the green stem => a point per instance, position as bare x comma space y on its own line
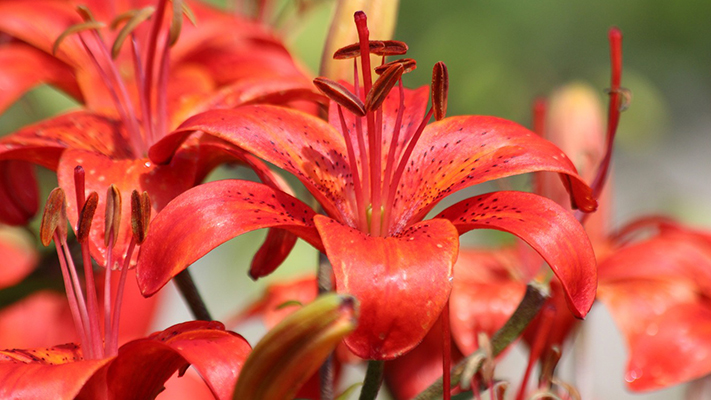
373, 380
526, 311
191, 295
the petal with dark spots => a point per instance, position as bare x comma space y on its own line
58, 372
297, 142
459, 152
208, 215
547, 227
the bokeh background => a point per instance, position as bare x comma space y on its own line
501, 55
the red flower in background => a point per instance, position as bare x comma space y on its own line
657, 289
376, 178
98, 367
132, 94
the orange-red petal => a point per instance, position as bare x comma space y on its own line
402, 283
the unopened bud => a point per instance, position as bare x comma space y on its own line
294, 349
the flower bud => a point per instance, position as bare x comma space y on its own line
291, 352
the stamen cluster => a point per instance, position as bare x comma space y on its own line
84, 305
375, 184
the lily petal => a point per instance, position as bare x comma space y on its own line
23, 67
402, 283
301, 144
486, 292
45, 373
44, 142
459, 152
548, 228
144, 365
676, 349
210, 214
162, 183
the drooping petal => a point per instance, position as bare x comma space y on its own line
548, 228
301, 144
487, 290
208, 215
218, 355
402, 282
23, 67
458, 152
57, 373
675, 349
278, 243
44, 142
675, 253
142, 366
162, 182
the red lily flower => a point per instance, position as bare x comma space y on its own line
138, 371
653, 273
657, 290
133, 100
98, 368
376, 179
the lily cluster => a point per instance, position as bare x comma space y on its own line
162, 104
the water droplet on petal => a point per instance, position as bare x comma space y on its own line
633, 375
652, 329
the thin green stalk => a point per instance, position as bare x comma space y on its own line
373, 380
191, 295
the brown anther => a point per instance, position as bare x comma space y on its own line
353, 50
135, 19
392, 48
377, 94
176, 24
140, 215
54, 217
84, 26
407, 63
440, 90
86, 216
112, 217
85, 13
341, 95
